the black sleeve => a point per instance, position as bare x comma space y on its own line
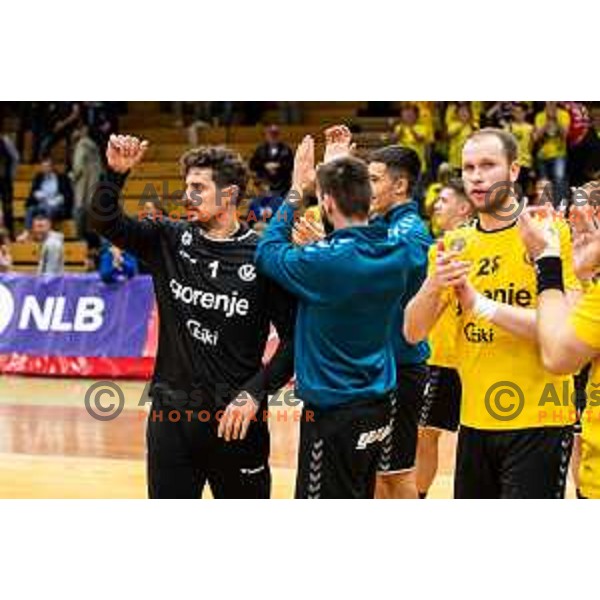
107, 218
281, 307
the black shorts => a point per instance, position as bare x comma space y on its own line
525, 463
340, 448
441, 400
400, 451
183, 456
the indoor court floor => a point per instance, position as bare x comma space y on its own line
50, 447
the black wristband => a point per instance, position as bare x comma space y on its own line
549, 274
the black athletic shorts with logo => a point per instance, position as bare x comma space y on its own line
441, 399
524, 463
340, 449
400, 451
184, 456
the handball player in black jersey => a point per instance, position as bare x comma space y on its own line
209, 387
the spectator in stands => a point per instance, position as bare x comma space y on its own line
499, 114
52, 259
523, 132
32, 118
115, 264
263, 206
412, 134
102, 121
273, 162
9, 161
60, 121
5, 256
459, 127
85, 175
50, 192
551, 129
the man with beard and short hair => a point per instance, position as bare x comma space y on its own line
215, 313
511, 443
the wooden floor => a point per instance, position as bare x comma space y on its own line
50, 447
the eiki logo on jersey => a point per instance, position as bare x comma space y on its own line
201, 333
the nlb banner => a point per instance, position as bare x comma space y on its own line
76, 325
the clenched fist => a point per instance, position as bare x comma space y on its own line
124, 152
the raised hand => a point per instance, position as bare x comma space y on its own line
585, 226
304, 173
449, 271
124, 152
338, 143
536, 227
307, 231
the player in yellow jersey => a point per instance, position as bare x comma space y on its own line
440, 410
569, 337
511, 443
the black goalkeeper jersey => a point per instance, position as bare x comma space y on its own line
214, 308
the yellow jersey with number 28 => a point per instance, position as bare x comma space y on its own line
505, 385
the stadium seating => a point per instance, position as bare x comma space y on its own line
160, 172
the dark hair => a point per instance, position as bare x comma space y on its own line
400, 162
40, 213
347, 181
4, 238
458, 187
507, 139
228, 167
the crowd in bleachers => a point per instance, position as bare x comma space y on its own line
558, 144
558, 148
